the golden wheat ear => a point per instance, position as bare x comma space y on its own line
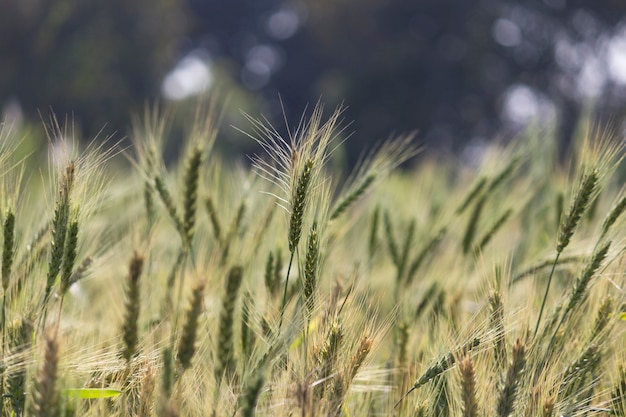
45, 393
510, 384
468, 387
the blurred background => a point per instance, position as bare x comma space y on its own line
461, 72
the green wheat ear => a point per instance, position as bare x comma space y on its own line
353, 195
169, 204
439, 367
8, 248
613, 215
225, 355
587, 188
213, 217
186, 347
192, 174
373, 239
580, 203
472, 224
59, 229
298, 205
310, 268
69, 256
250, 395
132, 307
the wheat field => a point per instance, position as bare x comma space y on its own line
287, 287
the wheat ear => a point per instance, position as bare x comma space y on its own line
548, 408
225, 356
426, 250
132, 307
250, 395
328, 357
579, 205
468, 387
8, 248
576, 373
580, 287
503, 175
471, 195
248, 336
192, 175
492, 231
59, 230
496, 323
603, 317
169, 204
7, 261
214, 218
187, 345
353, 195
268, 277
404, 256
45, 396
613, 215
167, 376
69, 256
391, 240
80, 272
588, 186
310, 268
472, 224
511, 381
373, 240
441, 366
298, 202
618, 394
20, 342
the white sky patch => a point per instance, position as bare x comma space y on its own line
191, 76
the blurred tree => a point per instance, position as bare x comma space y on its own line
457, 70
95, 58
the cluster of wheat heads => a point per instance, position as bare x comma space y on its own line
287, 288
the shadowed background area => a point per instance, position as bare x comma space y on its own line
459, 71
